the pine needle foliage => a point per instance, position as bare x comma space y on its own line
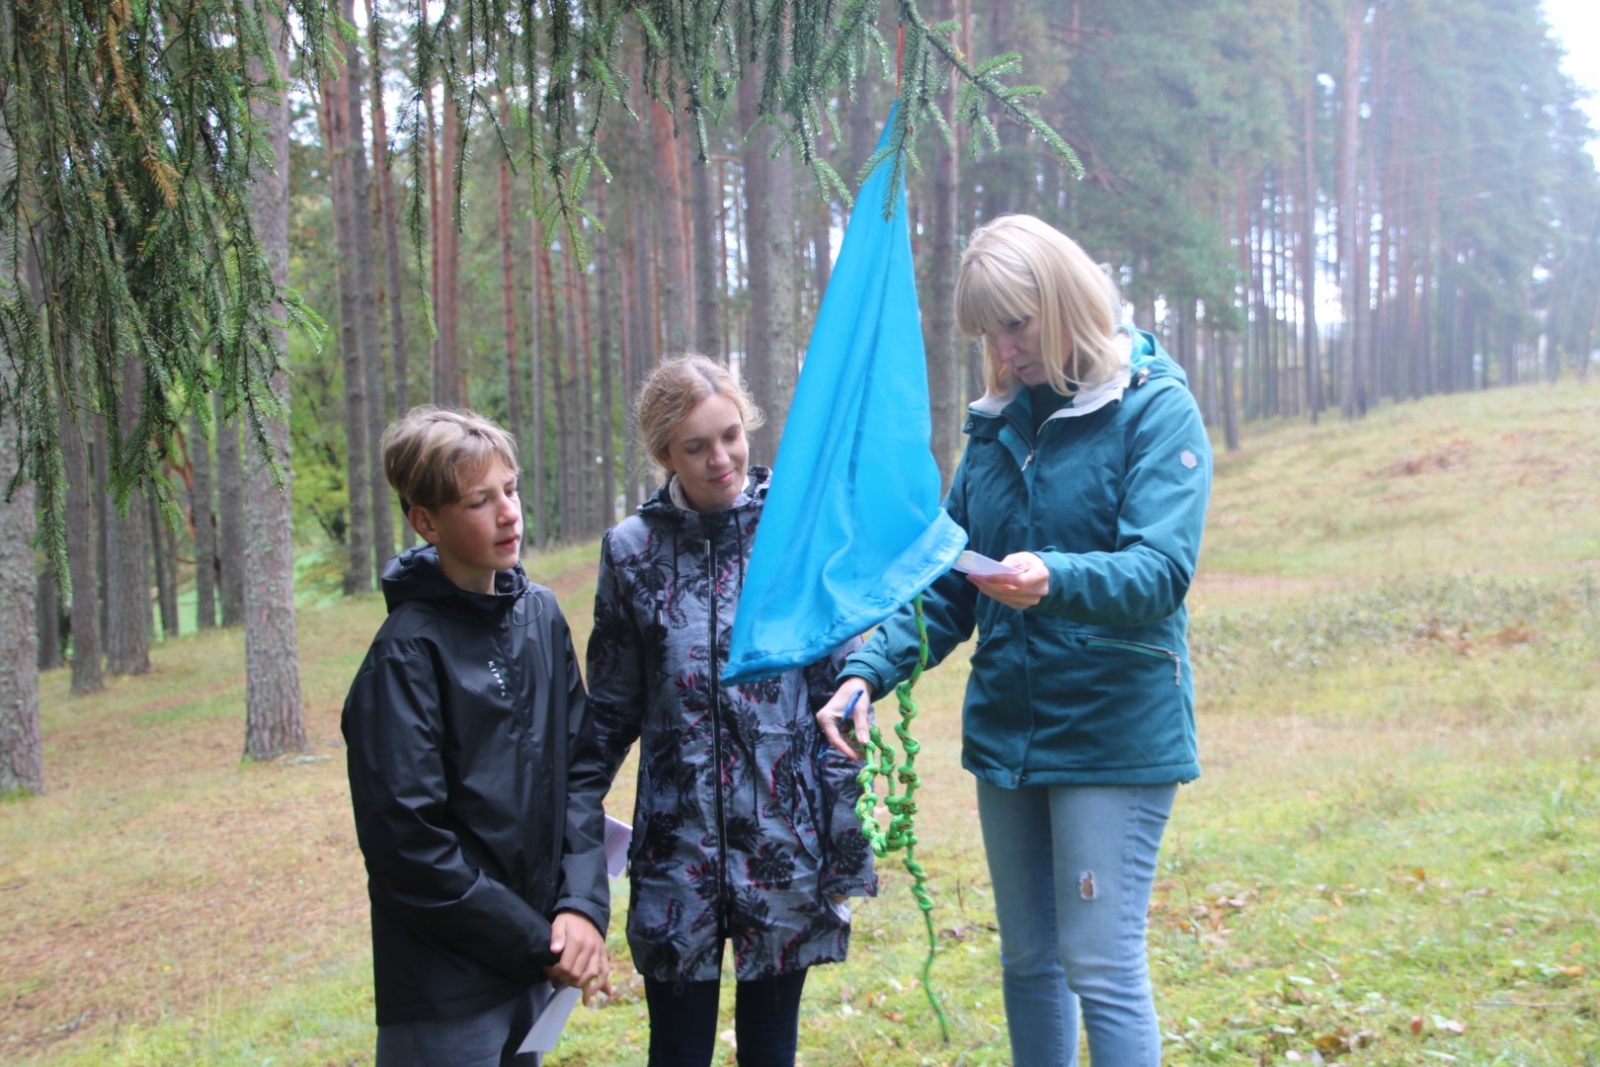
562, 59
128, 208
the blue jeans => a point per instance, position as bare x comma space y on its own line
1072, 868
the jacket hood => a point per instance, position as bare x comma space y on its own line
1147, 361
414, 575
660, 507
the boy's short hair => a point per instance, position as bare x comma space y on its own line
431, 451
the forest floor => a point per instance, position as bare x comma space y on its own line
1391, 857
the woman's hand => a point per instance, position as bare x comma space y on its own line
1021, 590
833, 711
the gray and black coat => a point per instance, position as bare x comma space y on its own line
743, 826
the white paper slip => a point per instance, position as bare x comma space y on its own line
547, 1027
970, 562
618, 835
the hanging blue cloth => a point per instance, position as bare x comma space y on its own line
852, 528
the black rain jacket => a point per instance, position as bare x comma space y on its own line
477, 790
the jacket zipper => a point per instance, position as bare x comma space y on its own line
1146, 650
716, 741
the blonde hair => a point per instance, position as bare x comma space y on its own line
676, 388
430, 452
1017, 267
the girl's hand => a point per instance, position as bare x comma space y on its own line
1021, 590
833, 711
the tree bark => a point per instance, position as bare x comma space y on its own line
939, 316
358, 490
128, 616
273, 724
539, 460
47, 613
21, 754
366, 282
770, 364
203, 517
673, 269
82, 522
707, 197
1349, 211
391, 244
230, 516
603, 367
508, 291
166, 559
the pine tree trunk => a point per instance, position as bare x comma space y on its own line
203, 516
128, 618
166, 560
604, 377
1308, 225
1349, 212
391, 244
707, 196
539, 453
366, 298
82, 522
770, 364
673, 269
47, 614
21, 755
939, 314
508, 292
273, 724
230, 516
358, 531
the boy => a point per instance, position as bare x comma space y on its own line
473, 772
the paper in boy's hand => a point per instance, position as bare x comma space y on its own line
618, 835
547, 1027
970, 562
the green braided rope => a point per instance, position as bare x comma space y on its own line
901, 832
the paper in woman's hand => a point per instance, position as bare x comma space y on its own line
970, 562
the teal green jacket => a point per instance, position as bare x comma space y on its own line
1092, 686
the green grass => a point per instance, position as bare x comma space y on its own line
1390, 859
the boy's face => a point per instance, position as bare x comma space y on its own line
479, 534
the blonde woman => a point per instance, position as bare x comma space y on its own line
744, 826
1087, 471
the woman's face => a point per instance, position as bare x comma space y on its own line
709, 453
1015, 345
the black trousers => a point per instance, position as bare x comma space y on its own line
683, 1021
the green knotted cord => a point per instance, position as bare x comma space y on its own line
901, 832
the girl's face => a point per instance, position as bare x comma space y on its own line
710, 454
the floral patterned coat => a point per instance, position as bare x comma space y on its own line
743, 826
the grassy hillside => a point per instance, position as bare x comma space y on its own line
1389, 860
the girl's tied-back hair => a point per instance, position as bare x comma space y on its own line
1016, 267
675, 388
431, 452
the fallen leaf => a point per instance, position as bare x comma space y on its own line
1416, 1026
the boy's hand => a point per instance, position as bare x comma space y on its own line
582, 950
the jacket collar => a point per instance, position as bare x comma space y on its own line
1085, 401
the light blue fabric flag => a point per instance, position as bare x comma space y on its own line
852, 528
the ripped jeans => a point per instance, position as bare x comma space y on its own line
1072, 868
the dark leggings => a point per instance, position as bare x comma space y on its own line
683, 1021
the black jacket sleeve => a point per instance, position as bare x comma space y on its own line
417, 864
584, 887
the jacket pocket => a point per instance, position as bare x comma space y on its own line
1140, 649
